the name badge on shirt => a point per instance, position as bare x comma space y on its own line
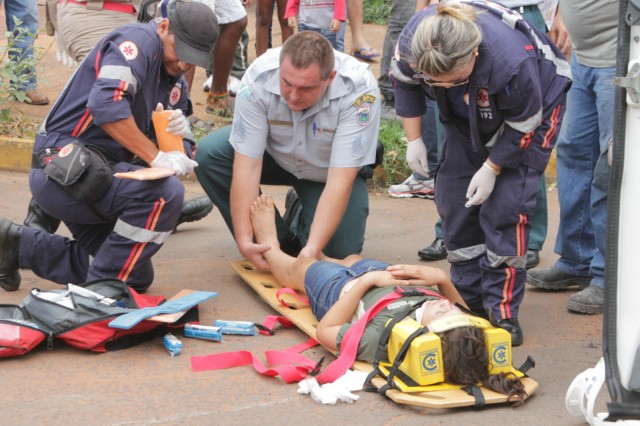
279, 123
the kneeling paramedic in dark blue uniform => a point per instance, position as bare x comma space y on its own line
105, 110
501, 87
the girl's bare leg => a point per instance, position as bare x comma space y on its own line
288, 271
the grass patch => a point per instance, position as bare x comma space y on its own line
16, 125
394, 168
377, 12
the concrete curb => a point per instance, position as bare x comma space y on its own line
15, 154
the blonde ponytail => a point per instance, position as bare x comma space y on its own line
445, 42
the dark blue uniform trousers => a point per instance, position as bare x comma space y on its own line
115, 239
487, 244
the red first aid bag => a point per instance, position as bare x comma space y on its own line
78, 315
18, 333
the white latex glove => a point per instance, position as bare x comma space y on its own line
178, 124
417, 157
63, 56
176, 161
481, 185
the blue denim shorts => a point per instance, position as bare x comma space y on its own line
324, 281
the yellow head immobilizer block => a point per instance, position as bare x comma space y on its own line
423, 363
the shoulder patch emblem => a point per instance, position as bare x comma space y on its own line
363, 104
364, 115
129, 50
174, 96
364, 99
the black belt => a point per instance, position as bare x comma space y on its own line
41, 158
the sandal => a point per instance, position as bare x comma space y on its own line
366, 54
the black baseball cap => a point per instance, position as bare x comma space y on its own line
195, 29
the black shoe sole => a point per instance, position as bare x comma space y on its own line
581, 283
194, 217
184, 218
582, 308
432, 257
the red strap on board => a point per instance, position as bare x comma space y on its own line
292, 292
269, 323
288, 364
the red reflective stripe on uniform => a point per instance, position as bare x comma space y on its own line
153, 217
152, 220
81, 126
117, 96
553, 128
96, 65
125, 267
86, 124
520, 235
528, 47
507, 292
526, 140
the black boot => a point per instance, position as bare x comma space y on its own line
512, 325
436, 251
291, 206
533, 259
290, 244
195, 209
9, 246
39, 219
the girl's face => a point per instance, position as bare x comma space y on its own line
436, 309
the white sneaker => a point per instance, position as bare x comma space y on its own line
207, 84
233, 85
412, 187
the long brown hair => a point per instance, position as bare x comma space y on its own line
466, 362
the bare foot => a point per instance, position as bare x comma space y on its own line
263, 214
